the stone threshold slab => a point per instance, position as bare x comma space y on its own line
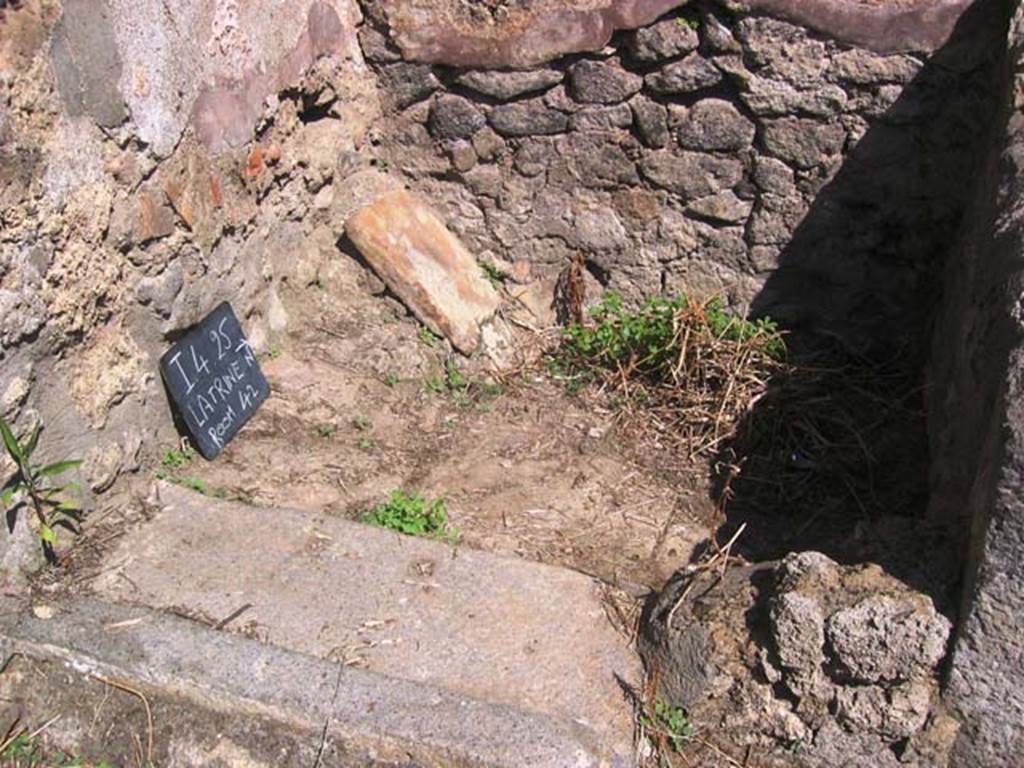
260, 700
487, 628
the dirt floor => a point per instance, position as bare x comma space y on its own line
364, 402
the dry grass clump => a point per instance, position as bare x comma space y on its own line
811, 438
692, 367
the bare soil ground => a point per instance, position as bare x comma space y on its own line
525, 468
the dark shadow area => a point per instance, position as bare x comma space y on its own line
834, 456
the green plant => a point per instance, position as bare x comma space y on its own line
326, 430
361, 423
464, 390
273, 353
650, 339
364, 444
693, 362
410, 514
25, 750
35, 487
427, 336
176, 458
391, 380
668, 724
493, 274
689, 19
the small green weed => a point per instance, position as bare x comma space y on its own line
196, 484
427, 337
273, 353
326, 430
689, 19
493, 274
33, 486
26, 751
176, 458
365, 444
361, 423
668, 725
649, 340
463, 390
391, 380
410, 514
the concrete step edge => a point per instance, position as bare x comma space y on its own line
369, 713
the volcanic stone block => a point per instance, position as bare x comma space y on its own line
597, 82
693, 73
509, 85
425, 265
664, 40
453, 117
528, 118
715, 125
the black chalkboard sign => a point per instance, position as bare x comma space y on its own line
214, 380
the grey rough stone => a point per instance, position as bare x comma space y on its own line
527, 118
694, 73
87, 63
601, 118
782, 51
664, 40
865, 68
534, 156
774, 176
775, 219
161, 291
885, 639
651, 120
892, 713
599, 163
833, 746
376, 46
798, 629
509, 85
484, 180
488, 144
715, 125
407, 83
602, 82
599, 229
803, 143
453, 117
724, 206
691, 174
766, 97
717, 37
462, 155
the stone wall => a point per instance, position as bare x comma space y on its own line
711, 152
977, 436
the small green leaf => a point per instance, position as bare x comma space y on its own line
11, 443
58, 467
32, 442
7, 496
46, 534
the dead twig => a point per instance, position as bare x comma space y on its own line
122, 686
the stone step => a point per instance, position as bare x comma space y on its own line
516, 658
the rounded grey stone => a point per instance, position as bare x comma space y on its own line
597, 82
527, 118
663, 40
694, 73
715, 125
453, 117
